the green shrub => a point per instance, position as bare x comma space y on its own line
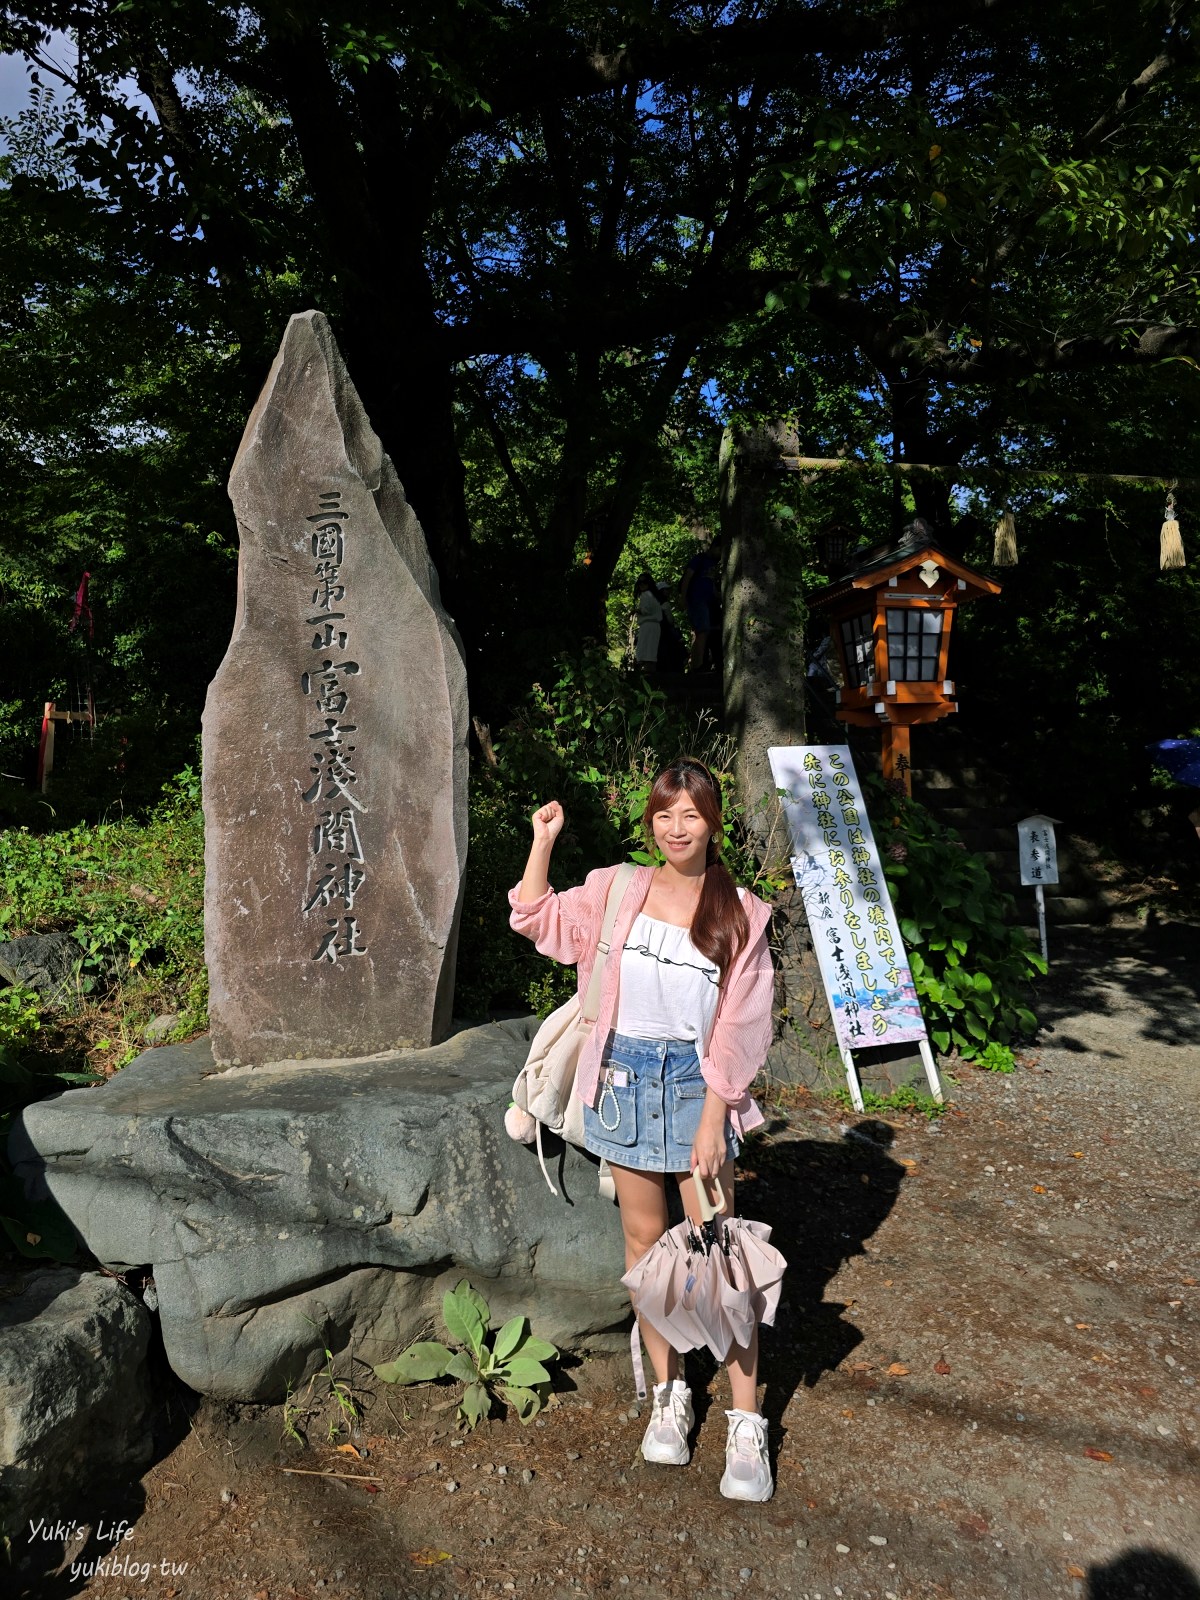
971, 967
131, 894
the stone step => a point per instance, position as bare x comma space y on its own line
956, 806
1062, 909
970, 821
935, 785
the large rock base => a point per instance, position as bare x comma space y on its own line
298, 1206
74, 1408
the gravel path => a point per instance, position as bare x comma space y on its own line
983, 1380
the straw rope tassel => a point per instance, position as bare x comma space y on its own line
1170, 545
1004, 552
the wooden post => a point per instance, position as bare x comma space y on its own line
51, 715
897, 762
46, 747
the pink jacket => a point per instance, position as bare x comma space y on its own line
566, 927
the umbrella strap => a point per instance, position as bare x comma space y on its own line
542, 1159
635, 1354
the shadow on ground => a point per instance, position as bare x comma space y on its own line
822, 1201
1103, 972
1143, 1575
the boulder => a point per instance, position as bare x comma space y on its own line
74, 1391
335, 754
285, 1208
47, 962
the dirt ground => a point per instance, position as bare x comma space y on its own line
982, 1381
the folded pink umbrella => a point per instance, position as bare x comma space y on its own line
709, 1285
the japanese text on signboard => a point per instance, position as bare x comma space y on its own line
837, 869
1038, 850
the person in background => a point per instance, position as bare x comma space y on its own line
700, 591
672, 651
649, 623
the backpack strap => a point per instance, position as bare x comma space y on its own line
621, 880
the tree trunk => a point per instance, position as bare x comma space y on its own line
763, 631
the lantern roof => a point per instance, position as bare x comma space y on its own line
877, 565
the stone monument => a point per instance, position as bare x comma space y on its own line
335, 758
288, 1207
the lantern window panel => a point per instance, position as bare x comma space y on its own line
858, 649
914, 639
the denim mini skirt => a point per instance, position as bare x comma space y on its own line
648, 1111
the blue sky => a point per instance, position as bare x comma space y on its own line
14, 85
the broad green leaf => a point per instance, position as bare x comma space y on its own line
463, 1321
539, 1349
462, 1367
525, 1402
12, 1071
474, 1405
420, 1363
471, 1294
41, 1232
523, 1372
509, 1337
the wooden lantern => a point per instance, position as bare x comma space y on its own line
890, 618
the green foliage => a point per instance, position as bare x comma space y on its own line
1088, 655
996, 1057
131, 893
34, 1228
20, 1020
325, 1391
972, 968
908, 1097
512, 1367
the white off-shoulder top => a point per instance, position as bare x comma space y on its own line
668, 989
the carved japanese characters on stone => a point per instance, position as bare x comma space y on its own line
334, 742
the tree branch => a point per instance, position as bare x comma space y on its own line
1180, 49
557, 74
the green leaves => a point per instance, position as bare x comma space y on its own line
465, 1315
512, 1366
971, 968
509, 1337
420, 1363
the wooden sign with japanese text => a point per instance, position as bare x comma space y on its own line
1038, 850
836, 865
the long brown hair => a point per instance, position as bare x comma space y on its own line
720, 928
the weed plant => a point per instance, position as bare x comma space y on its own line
908, 1097
510, 1368
131, 895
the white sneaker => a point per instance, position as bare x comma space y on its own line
666, 1438
747, 1473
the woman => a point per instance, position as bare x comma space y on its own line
649, 622
683, 1026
